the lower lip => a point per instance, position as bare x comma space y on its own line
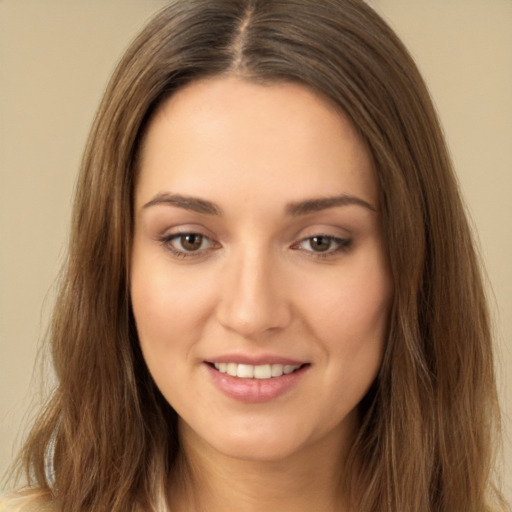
255, 390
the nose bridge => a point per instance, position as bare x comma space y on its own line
253, 300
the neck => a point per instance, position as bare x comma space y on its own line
215, 482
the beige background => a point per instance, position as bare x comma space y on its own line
55, 59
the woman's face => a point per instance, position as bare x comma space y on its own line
259, 280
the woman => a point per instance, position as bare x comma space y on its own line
272, 299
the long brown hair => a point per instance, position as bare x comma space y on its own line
107, 440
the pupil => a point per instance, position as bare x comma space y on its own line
191, 242
320, 243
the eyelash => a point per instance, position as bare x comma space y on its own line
340, 245
167, 242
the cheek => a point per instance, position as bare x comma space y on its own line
164, 302
171, 309
152, 303
350, 317
162, 315
356, 304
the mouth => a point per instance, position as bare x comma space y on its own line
260, 371
255, 383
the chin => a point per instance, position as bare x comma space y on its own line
260, 440
270, 449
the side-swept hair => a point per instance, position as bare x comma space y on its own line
108, 439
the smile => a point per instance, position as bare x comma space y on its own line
255, 383
261, 371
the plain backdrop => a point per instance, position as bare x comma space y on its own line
55, 59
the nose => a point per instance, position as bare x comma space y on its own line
254, 296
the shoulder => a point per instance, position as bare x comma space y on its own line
31, 501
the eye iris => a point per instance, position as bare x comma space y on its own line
191, 242
320, 243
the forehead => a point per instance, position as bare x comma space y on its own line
226, 132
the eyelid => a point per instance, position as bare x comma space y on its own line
341, 244
169, 237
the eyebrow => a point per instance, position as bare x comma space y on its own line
323, 203
295, 209
193, 204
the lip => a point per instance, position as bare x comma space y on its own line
255, 360
255, 390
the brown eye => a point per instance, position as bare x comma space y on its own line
191, 241
183, 245
323, 245
320, 243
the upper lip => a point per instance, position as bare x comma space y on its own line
255, 360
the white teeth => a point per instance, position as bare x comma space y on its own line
231, 369
245, 371
277, 370
261, 371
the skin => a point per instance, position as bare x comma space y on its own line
258, 284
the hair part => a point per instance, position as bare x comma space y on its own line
429, 421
